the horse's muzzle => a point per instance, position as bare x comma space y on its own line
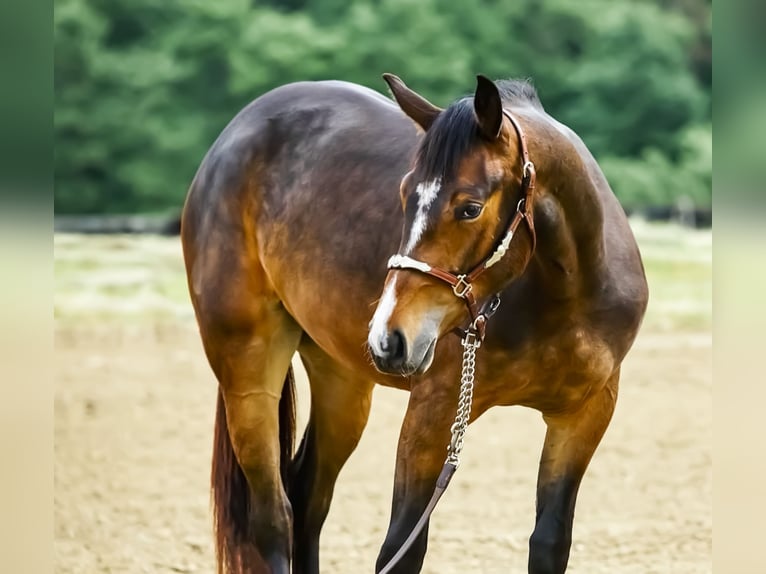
392, 354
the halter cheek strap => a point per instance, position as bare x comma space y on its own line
462, 285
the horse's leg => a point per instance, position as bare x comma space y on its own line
422, 450
251, 358
340, 405
570, 442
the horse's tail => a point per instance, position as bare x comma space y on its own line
230, 494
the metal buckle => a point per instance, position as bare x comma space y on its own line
462, 287
471, 339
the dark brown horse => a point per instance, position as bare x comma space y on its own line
287, 230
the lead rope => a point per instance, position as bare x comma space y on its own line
470, 343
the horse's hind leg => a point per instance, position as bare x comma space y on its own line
340, 405
570, 442
250, 339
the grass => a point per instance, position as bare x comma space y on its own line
679, 269
141, 279
118, 277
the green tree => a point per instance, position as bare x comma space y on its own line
143, 88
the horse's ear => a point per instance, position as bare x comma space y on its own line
419, 109
488, 107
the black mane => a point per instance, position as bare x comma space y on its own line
512, 91
455, 132
453, 135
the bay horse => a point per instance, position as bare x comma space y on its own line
287, 230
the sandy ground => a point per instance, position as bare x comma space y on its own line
133, 427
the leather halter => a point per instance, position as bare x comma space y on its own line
462, 285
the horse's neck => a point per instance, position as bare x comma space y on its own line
568, 212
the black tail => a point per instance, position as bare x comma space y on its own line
230, 491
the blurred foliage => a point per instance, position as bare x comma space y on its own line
140, 279
143, 88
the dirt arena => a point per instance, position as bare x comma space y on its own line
134, 411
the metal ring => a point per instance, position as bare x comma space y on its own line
525, 171
522, 201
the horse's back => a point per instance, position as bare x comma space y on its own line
292, 126
299, 146
297, 192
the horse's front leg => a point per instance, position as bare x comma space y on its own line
422, 450
570, 442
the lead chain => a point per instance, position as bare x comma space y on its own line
470, 344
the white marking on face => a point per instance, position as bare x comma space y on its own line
427, 192
378, 337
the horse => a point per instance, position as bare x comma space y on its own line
288, 233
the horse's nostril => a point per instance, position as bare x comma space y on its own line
389, 351
397, 346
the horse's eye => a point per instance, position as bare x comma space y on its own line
469, 211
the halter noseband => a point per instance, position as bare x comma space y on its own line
462, 285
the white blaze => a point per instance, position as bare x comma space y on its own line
379, 323
427, 192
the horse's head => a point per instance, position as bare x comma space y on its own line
459, 200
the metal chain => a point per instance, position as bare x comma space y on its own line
470, 343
